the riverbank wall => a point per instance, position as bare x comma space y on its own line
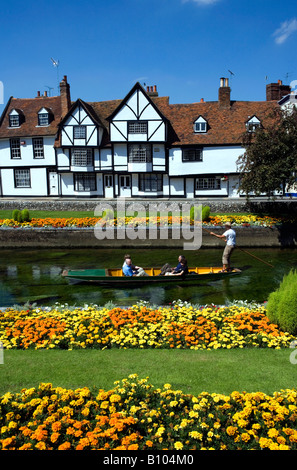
278, 206
249, 237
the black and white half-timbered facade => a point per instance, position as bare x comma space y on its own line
141, 146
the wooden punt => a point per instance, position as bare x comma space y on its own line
115, 276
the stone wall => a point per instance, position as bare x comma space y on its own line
280, 206
251, 237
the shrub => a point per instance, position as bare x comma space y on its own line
282, 304
205, 213
15, 214
20, 217
108, 214
25, 215
194, 213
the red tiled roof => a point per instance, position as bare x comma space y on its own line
225, 126
30, 108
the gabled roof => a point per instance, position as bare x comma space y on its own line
225, 126
88, 109
136, 87
29, 108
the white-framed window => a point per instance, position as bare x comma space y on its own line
38, 149
125, 181
208, 182
139, 153
22, 178
150, 182
108, 181
43, 119
200, 125
137, 127
84, 182
253, 124
192, 155
14, 120
79, 132
81, 157
15, 148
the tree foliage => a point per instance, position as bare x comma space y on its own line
269, 161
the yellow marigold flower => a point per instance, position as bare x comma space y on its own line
245, 437
231, 430
272, 432
178, 445
115, 398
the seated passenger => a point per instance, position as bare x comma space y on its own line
181, 269
130, 270
127, 268
181, 265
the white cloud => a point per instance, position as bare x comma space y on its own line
202, 2
285, 30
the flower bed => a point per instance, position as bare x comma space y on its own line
135, 416
176, 326
236, 220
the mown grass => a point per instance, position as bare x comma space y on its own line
42, 214
219, 371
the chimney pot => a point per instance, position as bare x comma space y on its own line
45, 94
155, 88
38, 94
201, 100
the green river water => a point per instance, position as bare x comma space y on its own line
35, 276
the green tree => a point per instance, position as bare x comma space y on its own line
269, 161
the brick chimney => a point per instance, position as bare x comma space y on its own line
224, 93
152, 91
275, 91
65, 96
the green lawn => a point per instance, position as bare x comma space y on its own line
7, 214
219, 371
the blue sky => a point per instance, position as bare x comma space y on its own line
182, 46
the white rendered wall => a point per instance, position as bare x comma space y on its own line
27, 156
216, 160
67, 186
38, 177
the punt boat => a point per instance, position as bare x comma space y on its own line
115, 276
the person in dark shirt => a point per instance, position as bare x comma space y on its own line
181, 269
180, 265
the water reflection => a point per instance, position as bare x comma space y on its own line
35, 276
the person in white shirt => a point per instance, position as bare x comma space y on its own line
230, 237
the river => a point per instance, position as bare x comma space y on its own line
34, 276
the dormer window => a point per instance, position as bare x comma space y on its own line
14, 118
44, 117
253, 124
200, 125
